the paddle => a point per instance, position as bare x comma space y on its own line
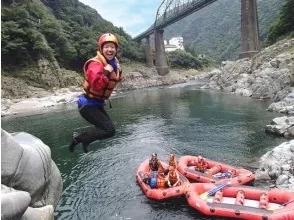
280, 206
214, 190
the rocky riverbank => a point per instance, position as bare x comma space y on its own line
13, 103
277, 167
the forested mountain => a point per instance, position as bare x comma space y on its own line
283, 26
215, 29
65, 31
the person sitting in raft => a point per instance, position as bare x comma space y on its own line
154, 163
146, 178
201, 165
172, 162
228, 174
154, 181
173, 178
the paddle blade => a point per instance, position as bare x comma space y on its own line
275, 207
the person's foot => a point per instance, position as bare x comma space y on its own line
74, 142
85, 147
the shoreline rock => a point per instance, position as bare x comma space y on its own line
31, 183
281, 126
277, 166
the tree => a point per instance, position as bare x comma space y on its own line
284, 24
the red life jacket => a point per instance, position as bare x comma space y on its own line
173, 178
201, 166
104, 93
173, 163
160, 183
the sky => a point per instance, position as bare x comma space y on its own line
134, 16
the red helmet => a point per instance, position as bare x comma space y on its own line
107, 37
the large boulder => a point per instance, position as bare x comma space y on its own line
281, 126
285, 102
277, 166
15, 205
27, 167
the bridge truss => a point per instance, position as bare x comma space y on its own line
171, 11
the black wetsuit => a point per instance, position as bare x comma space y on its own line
103, 129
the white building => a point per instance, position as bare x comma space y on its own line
174, 44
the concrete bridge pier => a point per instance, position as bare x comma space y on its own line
148, 53
249, 29
161, 61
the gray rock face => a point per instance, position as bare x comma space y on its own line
281, 126
269, 75
284, 104
149, 77
278, 165
43, 213
13, 203
26, 166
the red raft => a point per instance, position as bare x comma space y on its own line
161, 192
241, 202
213, 171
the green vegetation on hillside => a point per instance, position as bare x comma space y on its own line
284, 24
188, 59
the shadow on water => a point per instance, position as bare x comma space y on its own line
181, 120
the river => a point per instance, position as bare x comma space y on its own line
180, 119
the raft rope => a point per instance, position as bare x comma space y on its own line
286, 203
281, 206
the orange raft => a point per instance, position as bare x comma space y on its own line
242, 202
160, 193
213, 171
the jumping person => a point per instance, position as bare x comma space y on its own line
102, 73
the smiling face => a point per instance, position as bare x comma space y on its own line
109, 50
